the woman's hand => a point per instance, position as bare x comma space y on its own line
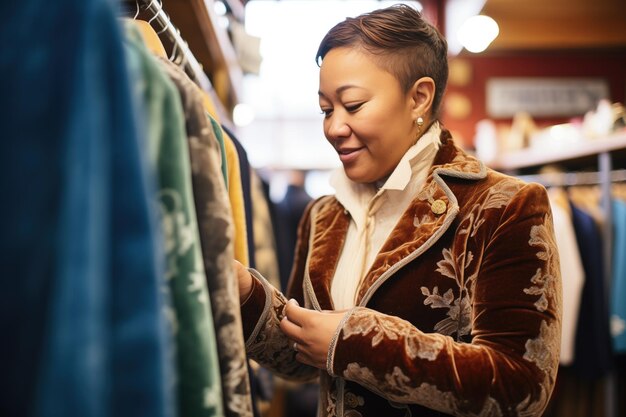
244, 279
312, 331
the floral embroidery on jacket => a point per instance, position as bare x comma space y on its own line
543, 351
406, 362
381, 328
543, 281
455, 267
425, 394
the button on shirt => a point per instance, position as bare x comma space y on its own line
375, 211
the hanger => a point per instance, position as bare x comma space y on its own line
175, 49
156, 13
150, 37
137, 12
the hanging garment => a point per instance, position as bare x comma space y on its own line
150, 38
210, 107
618, 294
264, 241
244, 171
80, 310
572, 273
592, 355
209, 100
199, 389
289, 210
235, 193
220, 140
216, 236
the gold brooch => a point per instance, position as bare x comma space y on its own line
438, 206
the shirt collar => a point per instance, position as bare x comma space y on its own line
427, 145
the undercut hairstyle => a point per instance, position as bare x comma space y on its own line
401, 42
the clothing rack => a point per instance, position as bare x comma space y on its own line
603, 178
603, 149
567, 179
181, 53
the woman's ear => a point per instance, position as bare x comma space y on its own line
422, 95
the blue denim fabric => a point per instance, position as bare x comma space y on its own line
81, 329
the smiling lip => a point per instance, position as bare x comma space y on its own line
347, 155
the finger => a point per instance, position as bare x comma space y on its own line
295, 313
291, 330
288, 304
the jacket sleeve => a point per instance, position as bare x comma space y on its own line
262, 311
510, 365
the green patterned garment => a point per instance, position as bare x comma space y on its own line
198, 387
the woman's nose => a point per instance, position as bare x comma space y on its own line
337, 127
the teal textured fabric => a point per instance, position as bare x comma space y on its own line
217, 131
199, 387
618, 292
216, 236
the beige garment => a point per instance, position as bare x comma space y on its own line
265, 257
572, 272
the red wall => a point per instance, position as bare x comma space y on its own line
607, 64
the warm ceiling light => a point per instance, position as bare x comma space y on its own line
477, 33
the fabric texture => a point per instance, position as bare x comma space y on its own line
592, 355
459, 314
83, 333
210, 101
618, 294
235, 193
199, 388
244, 170
572, 273
220, 140
289, 210
264, 241
216, 235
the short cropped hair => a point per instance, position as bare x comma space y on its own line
401, 41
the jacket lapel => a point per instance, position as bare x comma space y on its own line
428, 217
328, 234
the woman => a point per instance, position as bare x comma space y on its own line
429, 284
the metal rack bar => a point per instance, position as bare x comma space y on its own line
181, 48
604, 177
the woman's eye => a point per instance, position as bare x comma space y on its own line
327, 112
353, 107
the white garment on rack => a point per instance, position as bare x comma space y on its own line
572, 276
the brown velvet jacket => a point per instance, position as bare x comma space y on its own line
460, 313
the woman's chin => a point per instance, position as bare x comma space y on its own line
359, 176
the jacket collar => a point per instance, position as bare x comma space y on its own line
428, 216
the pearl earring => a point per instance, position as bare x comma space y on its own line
419, 122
